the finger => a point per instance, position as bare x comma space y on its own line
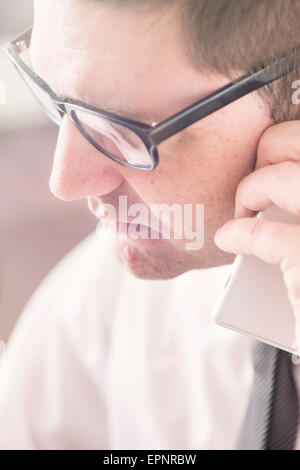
272, 185
279, 143
271, 241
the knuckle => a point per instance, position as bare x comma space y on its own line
257, 229
267, 228
287, 169
268, 140
271, 141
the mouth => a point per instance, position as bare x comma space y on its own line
129, 229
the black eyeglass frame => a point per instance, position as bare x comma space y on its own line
154, 135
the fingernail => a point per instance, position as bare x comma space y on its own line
220, 242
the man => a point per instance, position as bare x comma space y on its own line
104, 357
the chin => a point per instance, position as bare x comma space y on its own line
153, 267
147, 273
161, 261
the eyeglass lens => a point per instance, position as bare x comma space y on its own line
118, 141
113, 139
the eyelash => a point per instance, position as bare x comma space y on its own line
44, 85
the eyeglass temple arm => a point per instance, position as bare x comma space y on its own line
213, 102
225, 96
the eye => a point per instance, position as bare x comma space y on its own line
127, 136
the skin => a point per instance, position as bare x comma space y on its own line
276, 181
211, 162
142, 72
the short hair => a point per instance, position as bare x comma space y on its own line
227, 36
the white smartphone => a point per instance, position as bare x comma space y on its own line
255, 301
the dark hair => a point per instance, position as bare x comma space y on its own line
227, 36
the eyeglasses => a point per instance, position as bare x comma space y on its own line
132, 143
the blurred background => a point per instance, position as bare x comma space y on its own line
36, 229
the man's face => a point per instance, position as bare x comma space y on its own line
123, 59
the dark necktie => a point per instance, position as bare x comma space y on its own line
271, 421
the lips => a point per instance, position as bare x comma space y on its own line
128, 227
132, 230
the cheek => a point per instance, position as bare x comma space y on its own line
175, 178
203, 164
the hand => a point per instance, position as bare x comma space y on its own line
275, 181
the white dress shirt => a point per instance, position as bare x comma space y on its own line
102, 360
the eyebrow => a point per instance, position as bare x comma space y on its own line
133, 116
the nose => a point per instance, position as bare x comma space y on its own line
79, 170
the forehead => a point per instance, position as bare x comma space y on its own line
112, 56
